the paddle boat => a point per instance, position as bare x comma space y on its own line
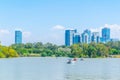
71, 61
81, 59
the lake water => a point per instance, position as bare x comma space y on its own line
57, 69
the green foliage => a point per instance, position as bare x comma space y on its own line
76, 50
91, 50
6, 52
114, 47
44, 50
44, 54
2, 55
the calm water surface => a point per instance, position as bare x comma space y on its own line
57, 69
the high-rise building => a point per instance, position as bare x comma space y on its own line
18, 37
86, 36
95, 37
106, 34
72, 37
77, 38
69, 37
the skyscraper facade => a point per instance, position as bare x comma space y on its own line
95, 37
72, 37
69, 37
86, 36
105, 34
18, 37
77, 38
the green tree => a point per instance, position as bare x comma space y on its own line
76, 50
92, 52
28, 45
38, 45
12, 53
102, 50
2, 55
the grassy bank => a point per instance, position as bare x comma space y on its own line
115, 56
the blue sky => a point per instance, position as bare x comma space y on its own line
46, 20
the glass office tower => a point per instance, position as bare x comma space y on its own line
18, 37
69, 37
86, 36
106, 34
95, 37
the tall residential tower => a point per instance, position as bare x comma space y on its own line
69, 37
95, 37
105, 34
18, 37
86, 36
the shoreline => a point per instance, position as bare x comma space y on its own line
38, 55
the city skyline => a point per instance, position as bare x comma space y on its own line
45, 20
72, 36
92, 30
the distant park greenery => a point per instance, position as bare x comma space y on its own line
92, 50
7, 52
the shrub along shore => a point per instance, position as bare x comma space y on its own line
7, 52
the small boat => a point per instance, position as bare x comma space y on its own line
81, 59
71, 61
74, 59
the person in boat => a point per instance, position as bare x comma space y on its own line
74, 59
69, 61
81, 59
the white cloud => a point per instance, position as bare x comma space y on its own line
59, 27
4, 31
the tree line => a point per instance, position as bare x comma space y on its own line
40, 49
92, 50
